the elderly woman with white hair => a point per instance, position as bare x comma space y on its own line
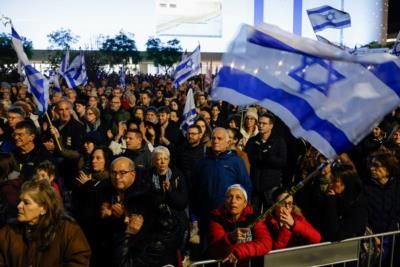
229, 237
169, 190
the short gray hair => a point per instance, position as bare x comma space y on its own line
160, 150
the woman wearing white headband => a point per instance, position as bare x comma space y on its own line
229, 237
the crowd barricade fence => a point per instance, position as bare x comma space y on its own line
364, 251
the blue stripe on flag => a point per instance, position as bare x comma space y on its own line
384, 72
240, 81
336, 24
265, 40
15, 34
36, 86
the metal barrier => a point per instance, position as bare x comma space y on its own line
364, 251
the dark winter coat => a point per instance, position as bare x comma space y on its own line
267, 161
69, 248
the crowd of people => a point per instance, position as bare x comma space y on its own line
107, 178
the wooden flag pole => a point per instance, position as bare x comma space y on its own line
56, 139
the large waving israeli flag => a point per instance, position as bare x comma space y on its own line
189, 112
76, 75
328, 17
324, 94
38, 85
188, 67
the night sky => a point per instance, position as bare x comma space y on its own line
394, 17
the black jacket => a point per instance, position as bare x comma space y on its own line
267, 161
384, 205
342, 219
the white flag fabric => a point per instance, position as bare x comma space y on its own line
324, 94
38, 85
188, 67
328, 17
64, 62
76, 74
18, 47
189, 112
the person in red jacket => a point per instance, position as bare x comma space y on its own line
288, 226
229, 237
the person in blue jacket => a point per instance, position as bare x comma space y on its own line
213, 174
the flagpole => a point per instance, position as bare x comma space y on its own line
293, 190
51, 125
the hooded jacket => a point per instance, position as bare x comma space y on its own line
221, 224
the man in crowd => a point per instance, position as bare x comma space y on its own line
213, 174
30, 153
267, 156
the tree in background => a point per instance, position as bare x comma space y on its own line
61, 40
119, 49
8, 57
164, 55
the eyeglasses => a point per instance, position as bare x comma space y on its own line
121, 173
288, 205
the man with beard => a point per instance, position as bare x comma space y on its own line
113, 115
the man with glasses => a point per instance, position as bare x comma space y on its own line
189, 152
15, 114
114, 201
29, 153
267, 156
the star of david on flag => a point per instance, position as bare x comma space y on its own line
315, 73
323, 94
328, 17
188, 67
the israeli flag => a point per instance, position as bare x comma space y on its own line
16, 41
54, 80
189, 112
328, 17
38, 85
76, 75
122, 77
65, 62
188, 67
329, 97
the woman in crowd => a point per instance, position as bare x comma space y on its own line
383, 191
230, 239
10, 186
344, 207
92, 119
235, 136
86, 196
250, 128
169, 192
205, 131
287, 224
44, 235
